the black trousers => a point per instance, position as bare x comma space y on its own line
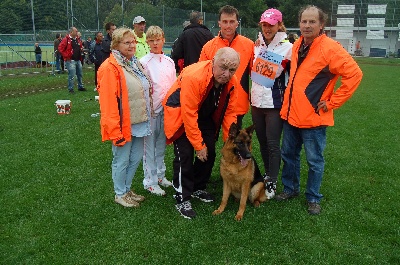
191, 174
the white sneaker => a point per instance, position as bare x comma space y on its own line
270, 190
156, 190
164, 182
126, 201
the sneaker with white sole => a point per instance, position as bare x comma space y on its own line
185, 209
156, 190
135, 197
270, 189
164, 182
203, 196
126, 201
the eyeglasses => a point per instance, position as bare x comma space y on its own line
129, 43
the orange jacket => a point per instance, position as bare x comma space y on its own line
184, 99
314, 80
245, 47
111, 85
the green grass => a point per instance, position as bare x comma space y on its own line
57, 198
22, 53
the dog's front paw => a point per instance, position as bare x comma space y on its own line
216, 212
238, 217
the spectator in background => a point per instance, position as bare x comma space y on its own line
106, 43
97, 54
38, 55
139, 26
79, 36
126, 109
309, 100
292, 37
189, 44
161, 70
86, 48
228, 37
71, 50
179, 65
57, 55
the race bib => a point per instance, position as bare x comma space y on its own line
265, 68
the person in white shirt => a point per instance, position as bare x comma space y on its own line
270, 75
161, 70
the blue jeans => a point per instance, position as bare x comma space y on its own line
126, 160
74, 68
38, 58
314, 140
57, 56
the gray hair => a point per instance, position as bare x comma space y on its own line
195, 17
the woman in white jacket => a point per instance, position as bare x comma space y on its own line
270, 76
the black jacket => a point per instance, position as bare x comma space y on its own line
189, 44
105, 47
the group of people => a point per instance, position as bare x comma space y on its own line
144, 106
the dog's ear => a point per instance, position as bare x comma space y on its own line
250, 129
233, 130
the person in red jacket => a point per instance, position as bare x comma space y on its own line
308, 103
70, 49
201, 101
228, 37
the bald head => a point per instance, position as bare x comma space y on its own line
228, 57
225, 63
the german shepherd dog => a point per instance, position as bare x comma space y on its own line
237, 171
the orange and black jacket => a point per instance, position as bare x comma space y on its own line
314, 73
245, 47
185, 97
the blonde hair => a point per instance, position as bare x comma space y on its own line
119, 34
154, 32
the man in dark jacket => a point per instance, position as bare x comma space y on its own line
57, 54
96, 53
189, 44
106, 43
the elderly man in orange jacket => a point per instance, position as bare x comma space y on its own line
201, 101
309, 101
228, 37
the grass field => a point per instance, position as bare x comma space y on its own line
21, 53
57, 198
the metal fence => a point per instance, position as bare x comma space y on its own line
171, 20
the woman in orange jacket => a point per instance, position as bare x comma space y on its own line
126, 109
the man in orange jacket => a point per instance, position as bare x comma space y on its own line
228, 37
308, 104
201, 101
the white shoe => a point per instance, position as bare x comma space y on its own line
126, 201
164, 182
156, 190
270, 190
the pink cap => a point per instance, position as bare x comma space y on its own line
271, 16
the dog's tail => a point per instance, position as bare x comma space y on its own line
257, 193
